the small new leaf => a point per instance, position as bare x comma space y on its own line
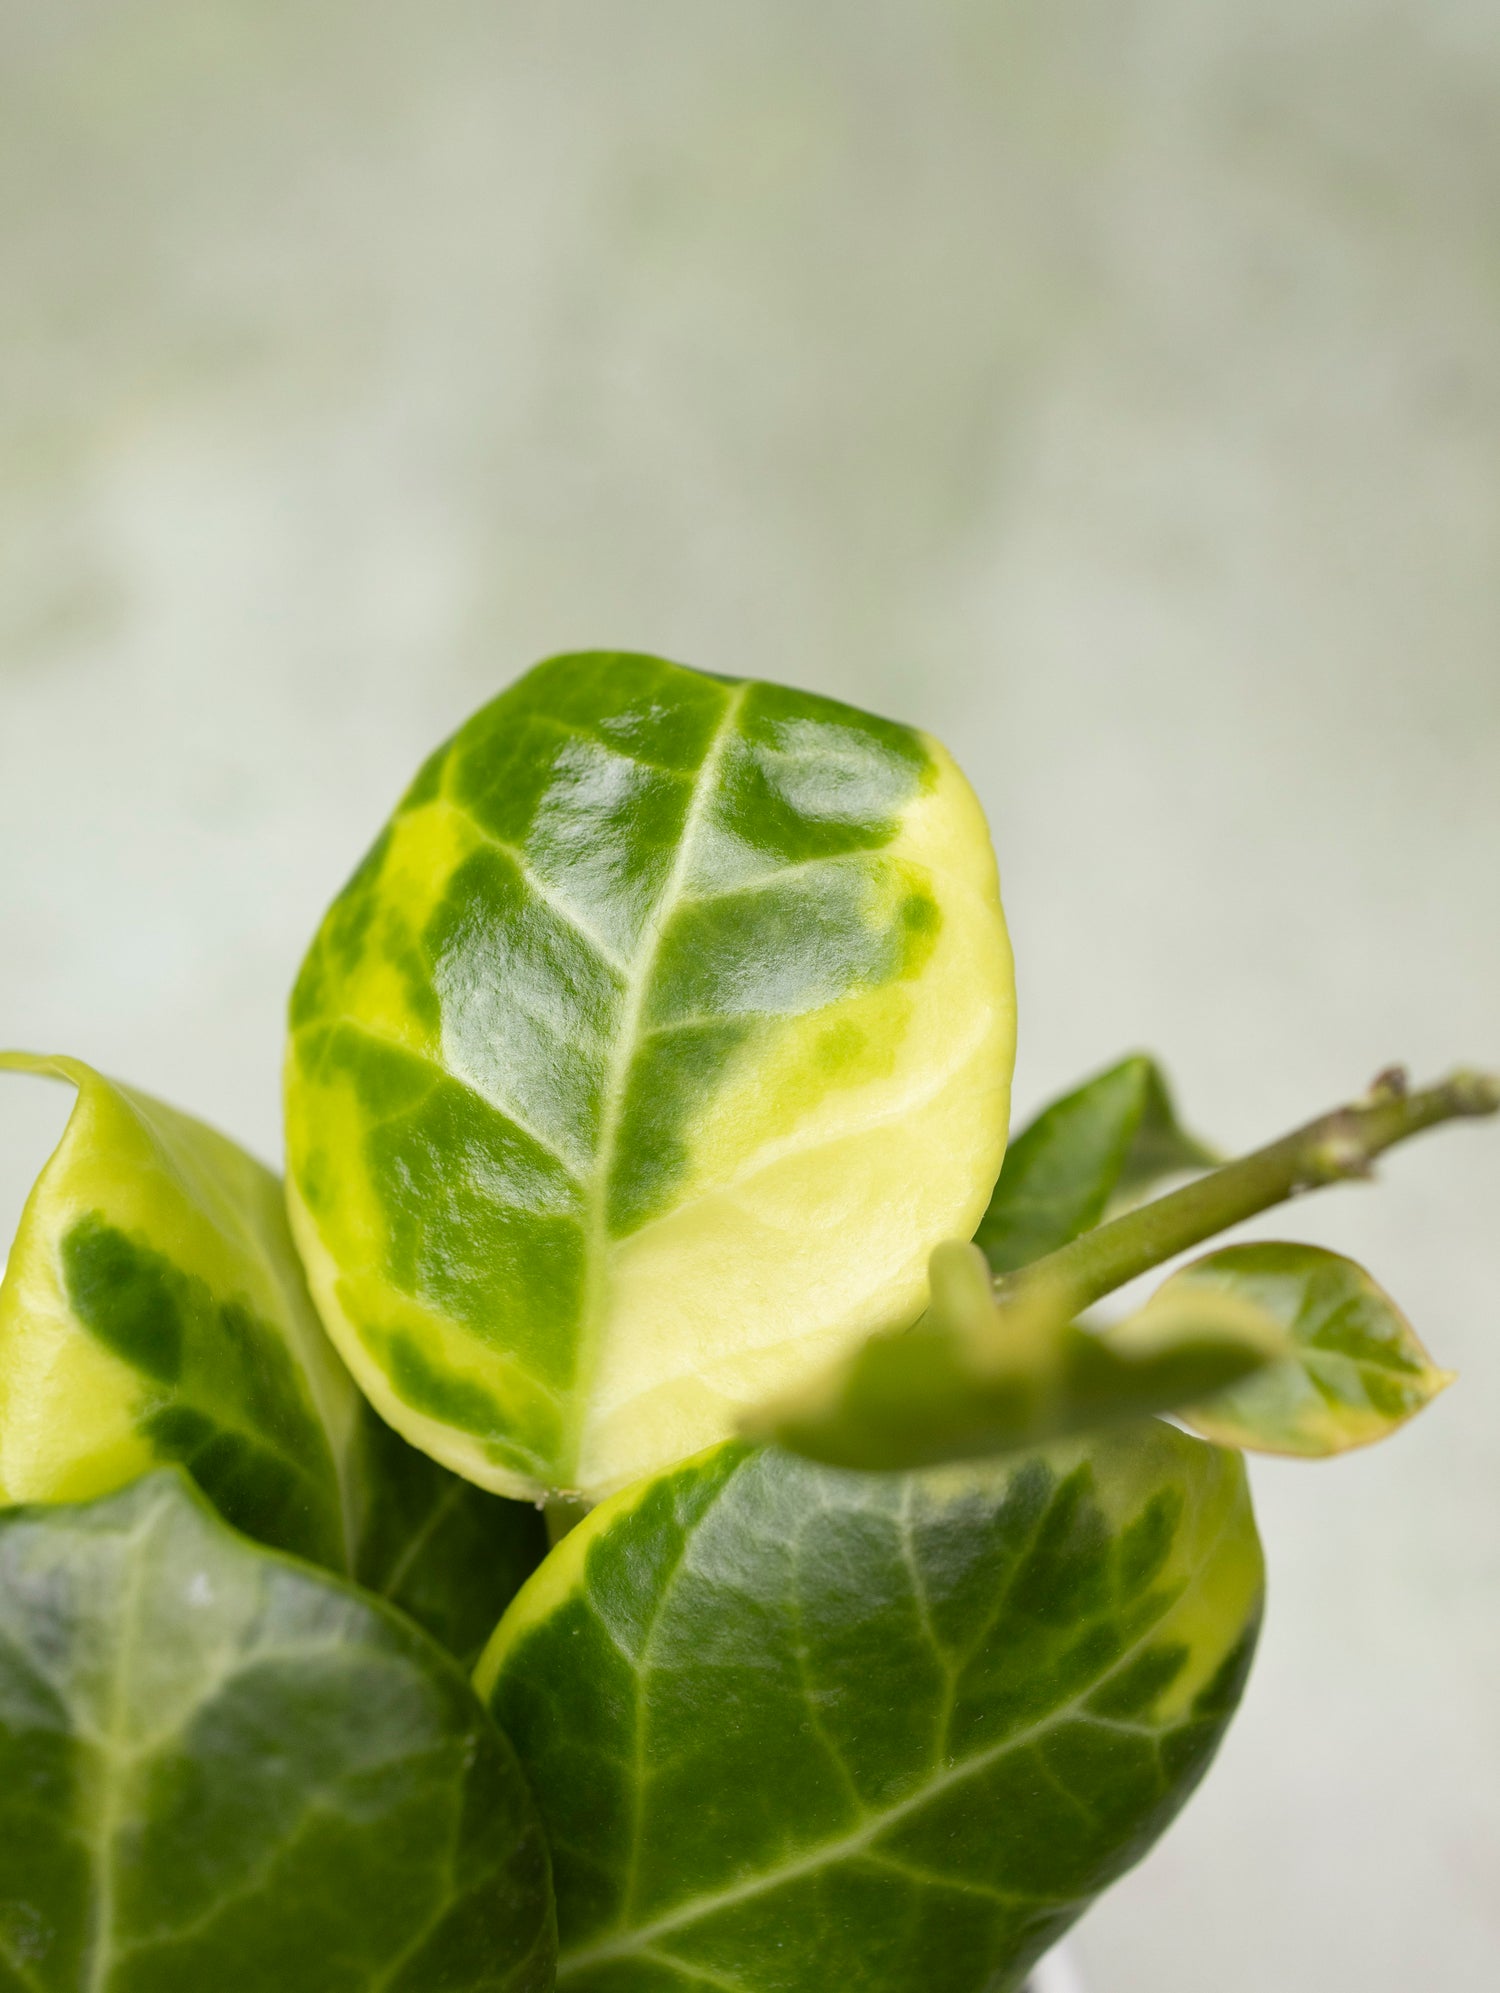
796, 1729
980, 1376
1108, 1142
1356, 1370
221, 1769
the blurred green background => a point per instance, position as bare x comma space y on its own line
1112, 388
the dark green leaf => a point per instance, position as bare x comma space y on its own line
223, 1772
153, 1310
803, 1730
1357, 1370
450, 1554
977, 1376
1112, 1139
596, 1060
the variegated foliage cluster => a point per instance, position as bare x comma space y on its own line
646, 1086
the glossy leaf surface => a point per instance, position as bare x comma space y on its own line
220, 1769
662, 1033
797, 1729
153, 1310
1357, 1369
1112, 1139
977, 1376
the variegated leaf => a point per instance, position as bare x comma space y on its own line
665, 1029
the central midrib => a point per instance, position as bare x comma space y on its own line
637, 989
113, 1755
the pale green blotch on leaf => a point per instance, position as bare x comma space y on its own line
223, 1771
664, 1030
799, 1728
1356, 1369
154, 1310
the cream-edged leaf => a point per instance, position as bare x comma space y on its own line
663, 1031
1356, 1370
808, 1730
153, 1310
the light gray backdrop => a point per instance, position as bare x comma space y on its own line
1112, 386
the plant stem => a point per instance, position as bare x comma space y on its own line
1334, 1148
562, 1513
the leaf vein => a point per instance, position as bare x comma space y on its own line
859, 1842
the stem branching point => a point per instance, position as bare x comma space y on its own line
1338, 1147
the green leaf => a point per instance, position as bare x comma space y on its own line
978, 1376
450, 1554
1357, 1370
220, 1769
666, 1026
1111, 1140
153, 1310
799, 1729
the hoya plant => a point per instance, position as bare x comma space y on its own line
651, 1504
